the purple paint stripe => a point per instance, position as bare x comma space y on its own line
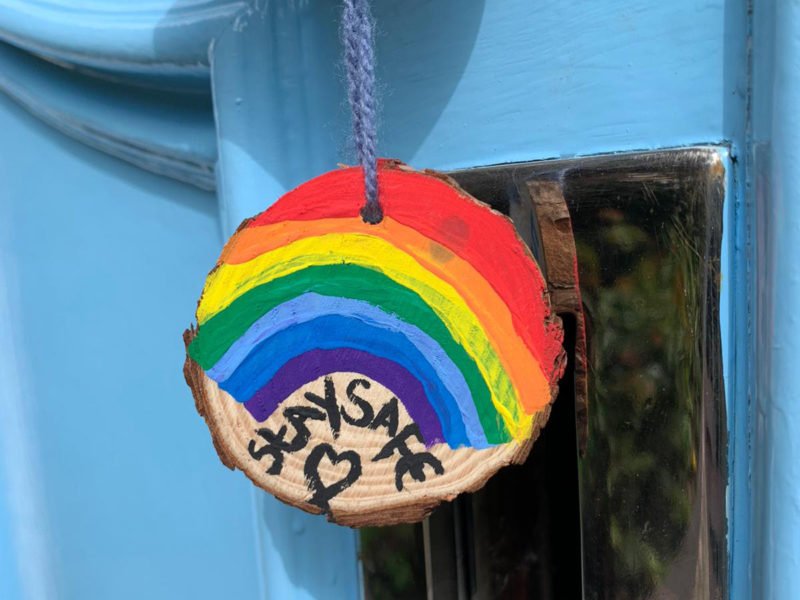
312, 365
310, 305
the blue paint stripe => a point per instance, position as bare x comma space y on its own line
292, 339
312, 305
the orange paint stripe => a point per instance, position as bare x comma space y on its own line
494, 316
451, 218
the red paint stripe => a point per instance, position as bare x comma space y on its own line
441, 213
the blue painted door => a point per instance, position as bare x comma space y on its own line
136, 136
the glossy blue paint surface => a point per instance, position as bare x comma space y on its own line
465, 83
775, 189
263, 132
102, 265
169, 133
735, 320
9, 561
158, 37
473, 84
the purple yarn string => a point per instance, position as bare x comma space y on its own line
359, 59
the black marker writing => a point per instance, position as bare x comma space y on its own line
366, 408
410, 462
328, 404
276, 443
321, 493
387, 417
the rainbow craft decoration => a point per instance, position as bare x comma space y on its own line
440, 302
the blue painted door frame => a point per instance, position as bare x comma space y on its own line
245, 98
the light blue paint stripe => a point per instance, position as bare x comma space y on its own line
309, 306
266, 359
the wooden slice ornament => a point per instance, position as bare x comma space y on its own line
372, 371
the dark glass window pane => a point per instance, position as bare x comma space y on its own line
393, 562
629, 502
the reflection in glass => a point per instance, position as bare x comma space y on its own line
633, 507
654, 471
393, 562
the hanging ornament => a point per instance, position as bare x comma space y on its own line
374, 343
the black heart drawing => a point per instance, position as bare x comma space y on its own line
322, 494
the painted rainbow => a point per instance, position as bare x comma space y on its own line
441, 303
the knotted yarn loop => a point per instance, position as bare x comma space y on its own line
359, 59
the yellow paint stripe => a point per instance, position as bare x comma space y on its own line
228, 282
482, 299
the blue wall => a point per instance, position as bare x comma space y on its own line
775, 191
103, 264
468, 83
465, 83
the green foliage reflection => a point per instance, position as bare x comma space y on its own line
393, 562
641, 286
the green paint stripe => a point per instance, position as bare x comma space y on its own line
217, 334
